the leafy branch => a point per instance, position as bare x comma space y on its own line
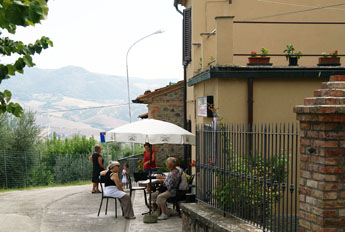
15, 13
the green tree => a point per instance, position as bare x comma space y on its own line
24, 132
15, 13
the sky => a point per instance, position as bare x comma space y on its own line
96, 34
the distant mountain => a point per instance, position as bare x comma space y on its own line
70, 88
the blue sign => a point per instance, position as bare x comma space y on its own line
102, 134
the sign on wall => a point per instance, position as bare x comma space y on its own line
205, 104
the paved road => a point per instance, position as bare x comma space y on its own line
66, 209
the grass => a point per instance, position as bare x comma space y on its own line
79, 182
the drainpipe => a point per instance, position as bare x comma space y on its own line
250, 112
176, 2
186, 148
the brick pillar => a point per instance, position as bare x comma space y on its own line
322, 159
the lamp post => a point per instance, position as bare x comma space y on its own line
129, 98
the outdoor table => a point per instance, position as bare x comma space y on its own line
146, 182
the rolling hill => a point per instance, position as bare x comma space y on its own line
58, 95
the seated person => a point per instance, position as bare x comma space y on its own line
170, 182
184, 183
113, 188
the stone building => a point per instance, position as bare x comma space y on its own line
165, 104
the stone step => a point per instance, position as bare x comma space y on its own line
329, 93
337, 78
324, 101
334, 85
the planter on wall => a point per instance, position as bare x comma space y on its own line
256, 61
329, 61
293, 61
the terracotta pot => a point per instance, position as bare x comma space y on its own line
259, 60
329, 60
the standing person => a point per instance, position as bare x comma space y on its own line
97, 166
146, 159
113, 188
125, 172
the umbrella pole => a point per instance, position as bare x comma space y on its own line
150, 180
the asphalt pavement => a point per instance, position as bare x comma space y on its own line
65, 209
71, 209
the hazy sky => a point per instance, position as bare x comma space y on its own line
95, 34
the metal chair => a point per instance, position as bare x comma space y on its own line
101, 180
131, 189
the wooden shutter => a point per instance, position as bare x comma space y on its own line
187, 36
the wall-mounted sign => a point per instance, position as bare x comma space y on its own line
205, 104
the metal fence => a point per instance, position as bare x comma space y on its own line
250, 172
132, 161
24, 169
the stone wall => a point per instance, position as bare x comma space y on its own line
199, 217
322, 160
168, 107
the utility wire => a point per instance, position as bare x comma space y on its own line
299, 5
294, 12
86, 108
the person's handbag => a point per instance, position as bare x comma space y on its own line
162, 188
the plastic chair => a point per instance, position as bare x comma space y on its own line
131, 189
101, 180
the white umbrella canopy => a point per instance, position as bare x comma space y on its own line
151, 131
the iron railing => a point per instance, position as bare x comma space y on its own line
250, 172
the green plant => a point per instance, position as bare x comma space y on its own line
290, 52
140, 166
333, 53
264, 52
254, 187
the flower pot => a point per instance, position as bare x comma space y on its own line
293, 61
329, 61
253, 61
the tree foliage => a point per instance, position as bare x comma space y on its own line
14, 13
19, 134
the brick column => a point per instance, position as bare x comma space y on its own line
322, 159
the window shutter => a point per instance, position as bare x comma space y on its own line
187, 36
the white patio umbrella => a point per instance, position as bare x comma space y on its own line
151, 131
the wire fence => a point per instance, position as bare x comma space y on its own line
25, 169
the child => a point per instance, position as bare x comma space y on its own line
125, 172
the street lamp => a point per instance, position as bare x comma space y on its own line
129, 98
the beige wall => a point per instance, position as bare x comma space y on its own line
310, 39
274, 99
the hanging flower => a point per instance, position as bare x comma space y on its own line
192, 164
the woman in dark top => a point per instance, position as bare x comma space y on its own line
97, 166
113, 188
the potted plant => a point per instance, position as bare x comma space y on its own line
332, 59
261, 59
292, 55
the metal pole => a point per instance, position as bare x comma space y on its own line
108, 153
5, 168
39, 157
129, 98
26, 170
